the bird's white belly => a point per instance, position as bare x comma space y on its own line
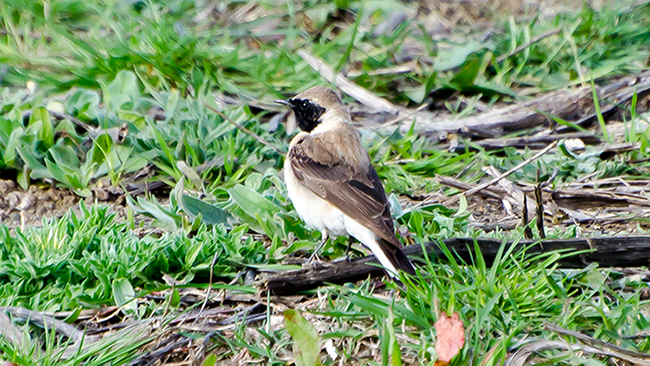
313, 210
327, 219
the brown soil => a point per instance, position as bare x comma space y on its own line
24, 208
21, 208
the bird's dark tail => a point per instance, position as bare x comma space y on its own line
397, 257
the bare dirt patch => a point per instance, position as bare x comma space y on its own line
21, 208
24, 208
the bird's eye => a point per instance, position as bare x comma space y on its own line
304, 104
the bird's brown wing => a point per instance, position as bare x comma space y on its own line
356, 192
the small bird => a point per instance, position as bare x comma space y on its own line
332, 183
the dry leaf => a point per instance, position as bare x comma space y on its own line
451, 337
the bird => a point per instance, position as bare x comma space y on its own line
332, 183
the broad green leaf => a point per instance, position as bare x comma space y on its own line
192, 253
9, 155
175, 299
462, 206
134, 163
416, 223
104, 143
83, 101
254, 181
468, 73
395, 206
306, 344
211, 214
420, 93
56, 171
40, 116
158, 212
123, 89
66, 158
73, 316
172, 102
252, 203
210, 360
23, 178
452, 57
489, 87
190, 174
38, 170
7, 127
124, 296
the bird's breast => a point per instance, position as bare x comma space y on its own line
313, 210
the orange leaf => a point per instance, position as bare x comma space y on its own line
451, 337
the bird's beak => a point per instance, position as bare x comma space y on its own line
283, 102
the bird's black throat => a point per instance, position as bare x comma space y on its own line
307, 113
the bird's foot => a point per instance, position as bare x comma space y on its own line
347, 251
317, 263
313, 262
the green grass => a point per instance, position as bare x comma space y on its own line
74, 73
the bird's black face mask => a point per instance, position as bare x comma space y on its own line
307, 113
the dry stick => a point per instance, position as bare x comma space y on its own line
623, 251
529, 43
62, 116
540, 211
365, 97
244, 129
593, 341
72, 119
9, 331
497, 179
493, 181
528, 232
521, 356
45, 321
409, 113
207, 295
171, 343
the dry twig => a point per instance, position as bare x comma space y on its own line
594, 342
365, 97
497, 179
244, 129
552, 32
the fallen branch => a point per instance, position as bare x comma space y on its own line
523, 354
632, 251
530, 142
588, 345
8, 330
365, 97
45, 321
497, 179
575, 199
595, 342
168, 346
572, 105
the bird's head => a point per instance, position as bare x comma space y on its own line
310, 105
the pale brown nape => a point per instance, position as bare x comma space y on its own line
324, 97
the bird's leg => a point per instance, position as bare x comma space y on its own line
347, 250
324, 238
